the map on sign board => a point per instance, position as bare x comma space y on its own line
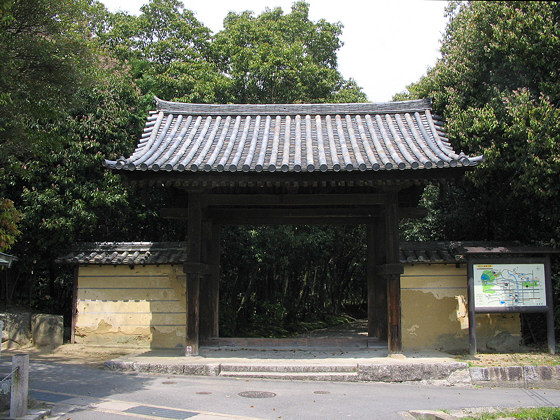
509, 285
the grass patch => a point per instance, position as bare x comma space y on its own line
510, 359
542, 413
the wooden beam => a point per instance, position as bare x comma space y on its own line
380, 282
218, 213
288, 215
214, 279
74, 305
292, 199
393, 280
204, 323
370, 275
295, 220
193, 311
209, 286
194, 245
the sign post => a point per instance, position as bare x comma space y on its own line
501, 285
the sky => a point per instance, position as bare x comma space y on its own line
388, 44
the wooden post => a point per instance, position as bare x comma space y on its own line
74, 305
193, 295
209, 287
193, 270
214, 279
471, 305
391, 218
370, 275
380, 282
20, 383
205, 321
550, 312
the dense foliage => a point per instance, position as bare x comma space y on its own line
280, 280
497, 87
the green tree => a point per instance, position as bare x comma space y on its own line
9, 219
497, 87
167, 50
282, 58
43, 57
277, 281
72, 106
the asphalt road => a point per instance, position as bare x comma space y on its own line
81, 393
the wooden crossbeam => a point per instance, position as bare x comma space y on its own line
292, 199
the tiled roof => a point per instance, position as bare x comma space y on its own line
126, 253
429, 253
6, 260
146, 253
293, 138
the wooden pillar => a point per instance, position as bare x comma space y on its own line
380, 286
214, 279
74, 305
472, 313
377, 283
370, 274
550, 312
204, 323
209, 287
393, 271
193, 269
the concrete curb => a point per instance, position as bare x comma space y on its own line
200, 369
446, 374
35, 414
517, 376
410, 372
438, 373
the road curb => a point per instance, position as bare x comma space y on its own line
448, 374
517, 376
438, 373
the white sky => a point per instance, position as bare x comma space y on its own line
388, 44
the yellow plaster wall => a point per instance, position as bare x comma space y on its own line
146, 306
142, 306
435, 314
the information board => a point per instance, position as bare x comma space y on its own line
511, 285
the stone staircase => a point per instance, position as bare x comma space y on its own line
343, 373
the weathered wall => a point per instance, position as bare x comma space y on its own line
140, 306
435, 314
146, 305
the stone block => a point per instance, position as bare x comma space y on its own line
531, 373
17, 329
47, 330
545, 373
479, 374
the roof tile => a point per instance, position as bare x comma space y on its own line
292, 138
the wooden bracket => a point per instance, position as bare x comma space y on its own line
389, 269
196, 268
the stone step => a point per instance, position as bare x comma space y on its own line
271, 368
319, 343
309, 376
